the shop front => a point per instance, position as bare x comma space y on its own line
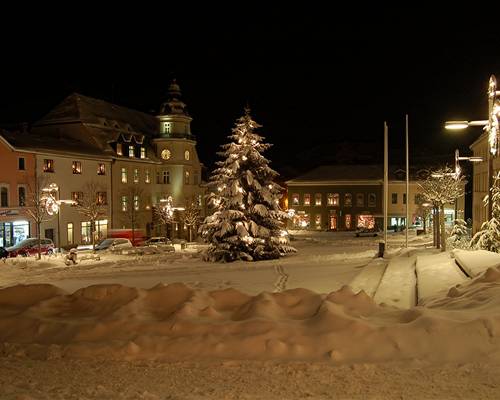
13, 232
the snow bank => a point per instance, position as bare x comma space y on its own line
176, 322
475, 262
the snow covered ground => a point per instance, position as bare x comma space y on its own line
174, 327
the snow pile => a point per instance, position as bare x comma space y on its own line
475, 262
176, 322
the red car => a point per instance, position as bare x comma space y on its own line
29, 247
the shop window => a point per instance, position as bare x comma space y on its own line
348, 200
48, 165
307, 199
77, 167
295, 199
124, 175
317, 221
360, 200
394, 198
21, 196
317, 199
101, 169
4, 197
348, 221
372, 200
333, 220
301, 221
366, 221
21, 165
100, 231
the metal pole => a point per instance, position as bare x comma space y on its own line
407, 185
59, 221
386, 178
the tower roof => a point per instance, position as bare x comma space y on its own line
174, 103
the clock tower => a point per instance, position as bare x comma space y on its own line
179, 174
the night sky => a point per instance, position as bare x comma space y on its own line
321, 85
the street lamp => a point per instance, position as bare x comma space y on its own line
491, 127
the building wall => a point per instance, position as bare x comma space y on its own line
68, 182
13, 219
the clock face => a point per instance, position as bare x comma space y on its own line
165, 154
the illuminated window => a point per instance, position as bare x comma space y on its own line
147, 179
131, 151
317, 199
360, 200
372, 200
307, 199
48, 165
348, 221
77, 197
317, 221
186, 177
77, 167
136, 202
119, 150
101, 169
166, 127
333, 199
124, 175
136, 175
348, 200
102, 198
186, 155
124, 203
143, 152
295, 199
200, 200
70, 232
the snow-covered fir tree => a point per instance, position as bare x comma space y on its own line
488, 238
248, 222
459, 235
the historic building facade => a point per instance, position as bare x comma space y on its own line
137, 158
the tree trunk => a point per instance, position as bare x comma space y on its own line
425, 224
443, 230
437, 225
38, 224
92, 229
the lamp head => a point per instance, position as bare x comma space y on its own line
456, 125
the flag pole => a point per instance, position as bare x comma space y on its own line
386, 181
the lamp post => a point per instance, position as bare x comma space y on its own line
491, 127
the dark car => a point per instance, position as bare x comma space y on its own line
160, 242
361, 231
29, 247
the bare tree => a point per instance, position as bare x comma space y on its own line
135, 198
191, 217
93, 205
442, 187
37, 209
164, 213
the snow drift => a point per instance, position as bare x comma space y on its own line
176, 322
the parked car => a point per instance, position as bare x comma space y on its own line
366, 232
3, 253
29, 247
114, 244
160, 242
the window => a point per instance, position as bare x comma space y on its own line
119, 150
100, 231
136, 175
333, 199
77, 167
21, 196
101, 169
348, 221
102, 198
166, 127
166, 177
372, 200
360, 200
136, 202
124, 203
4, 197
295, 199
307, 199
131, 151
21, 165
186, 177
48, 165
195, 177
124, 175
186, 155
317, 221
317, 199
143, 152
404, 198
77, 196
394, 198
348, 200
200, 200
70, 232
147, 178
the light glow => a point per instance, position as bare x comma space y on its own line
456, 125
